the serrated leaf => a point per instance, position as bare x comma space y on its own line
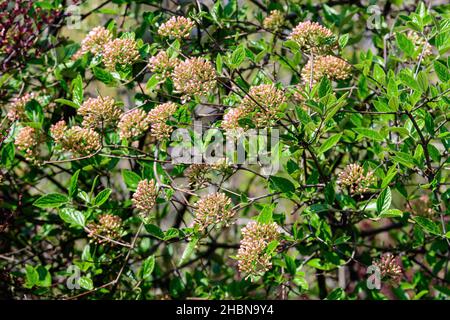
101, 197
51, 200
428, 225
147, 267
384, 200
188, 251
405, 44
391, 213
77, 90
280, 184
86, 283
73, 185
392, 172
265, 216
441, 71
131, 179
67, 103
103, 75
369, 133
73, 217
330, 143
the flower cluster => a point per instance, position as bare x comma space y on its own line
95, 41
176, 27
83, 141
197, 174
420, 43
274, 20
389, 268
133, 123
312, 37
99, 112
158, 117
121, 52
194, 76
27, 140
355, 179
162, 64
265, 100
332, 67
17, 106
262, 103
109, 227
252, 256
213, 210
144, 199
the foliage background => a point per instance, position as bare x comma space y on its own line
392, 119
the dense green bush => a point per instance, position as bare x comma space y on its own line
340, 111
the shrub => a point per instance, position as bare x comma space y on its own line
241, 149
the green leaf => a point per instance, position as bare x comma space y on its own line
391, 213
31, 276
330, 143
147, 267
237, 57
51, 200
73, 185
154, 231
384, 200
188, 251
102, 197
86, 283
74, 217
324, 87
279, 184
441, 71
428, 225
219, 63
131, 179
8, 154
67, 103
409, 81
405, 44
291, 266
404, 159
392, 172
369, 133
266, 214
336, 294
152, 82
77, 90
343, 40
103, 75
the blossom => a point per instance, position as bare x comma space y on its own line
213, 210
330, 66
17, 106
158, 117
176, 27
83, 141
420, 43
252, 256
355, 179
121, 52
109, 227
144, 199
311, 36
133, 124
389, 268
99, 112
95, 41
194, 76
162, 64
274, 20
28, 140
230, 122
